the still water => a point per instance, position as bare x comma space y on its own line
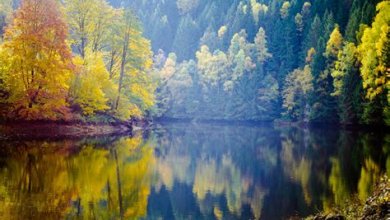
191, 171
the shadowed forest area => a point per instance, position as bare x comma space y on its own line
238, 60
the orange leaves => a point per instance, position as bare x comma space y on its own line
41, 79
40, 62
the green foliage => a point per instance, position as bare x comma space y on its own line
324, 108
347, 85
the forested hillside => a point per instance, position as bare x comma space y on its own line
318, 61
324, 61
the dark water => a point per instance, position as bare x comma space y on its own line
184, 171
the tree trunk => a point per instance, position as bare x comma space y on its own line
113, 54
122, 71
120, 199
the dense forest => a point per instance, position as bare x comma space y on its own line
258, 60
318, 61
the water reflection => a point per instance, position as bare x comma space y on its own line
183, 171
93, 179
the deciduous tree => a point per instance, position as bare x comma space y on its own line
39, 60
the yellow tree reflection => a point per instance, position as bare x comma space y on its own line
44, 180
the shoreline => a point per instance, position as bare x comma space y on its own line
79, 129
36, 129
277, 123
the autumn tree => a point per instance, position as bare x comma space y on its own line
91, 89
325, 105
135, 93
347, 85
375, 70
39, 62
261, 47
89, 21
284, 11
296, 92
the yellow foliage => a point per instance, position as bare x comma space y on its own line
77, 183
91, 84
39, 62
334, 44
38, 76
126, 109
371, 50
369, 175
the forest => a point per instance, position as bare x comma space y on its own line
314, 61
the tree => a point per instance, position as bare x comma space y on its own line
325, 105
299, 22
88, 21
297, 88
91, 87
261, 47
177, 92
334, 44
213, 71
135, 88
375, 68
284, 11
268, 97
347, 85
258, 9
39, 62
212, 67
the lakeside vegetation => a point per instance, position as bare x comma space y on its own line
238, 60
66, 61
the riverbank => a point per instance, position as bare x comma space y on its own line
11, 130
376, 207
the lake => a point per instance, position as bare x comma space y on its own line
191, 171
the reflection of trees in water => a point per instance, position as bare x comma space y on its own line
28, 188
232, 168
303, 158
359, 163
197, 171
299, 169
332, 167
218, 163
39, 179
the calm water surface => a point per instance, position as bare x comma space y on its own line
188, 171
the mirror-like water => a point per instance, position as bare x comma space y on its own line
186, 171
